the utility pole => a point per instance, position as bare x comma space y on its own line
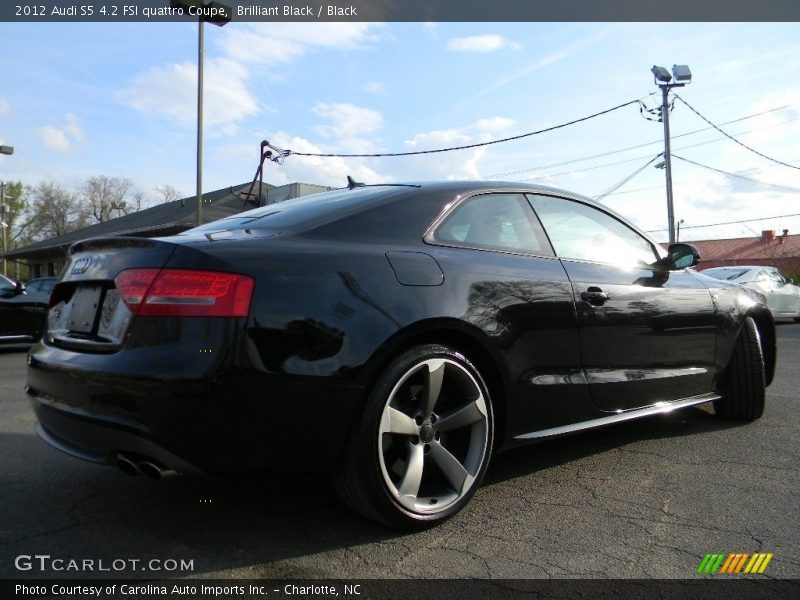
219, 14
662, 79
8, 151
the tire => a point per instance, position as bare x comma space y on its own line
419, 450
744, 382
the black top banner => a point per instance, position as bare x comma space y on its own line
399, 10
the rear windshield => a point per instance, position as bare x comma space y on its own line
729, 274
302, 213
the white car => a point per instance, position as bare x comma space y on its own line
783, 296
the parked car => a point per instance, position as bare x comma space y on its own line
22, 312
43, 285
392, 336
783, 296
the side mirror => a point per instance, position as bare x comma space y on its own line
19, 288
681, 256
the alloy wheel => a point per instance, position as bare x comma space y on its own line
433, 436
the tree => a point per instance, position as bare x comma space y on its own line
103, 196
14, 210
53, 211
168, 193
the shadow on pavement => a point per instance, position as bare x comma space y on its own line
57, 505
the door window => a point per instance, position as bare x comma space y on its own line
582, 232
494, 222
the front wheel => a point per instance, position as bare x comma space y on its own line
744, 382
421, 447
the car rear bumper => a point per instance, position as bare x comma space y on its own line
99, 441
226, 422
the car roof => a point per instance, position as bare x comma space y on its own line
399, 193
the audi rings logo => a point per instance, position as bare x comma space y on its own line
81, 265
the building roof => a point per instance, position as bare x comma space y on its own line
170, 217
750, 248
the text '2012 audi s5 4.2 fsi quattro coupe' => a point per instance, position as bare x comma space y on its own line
393, 336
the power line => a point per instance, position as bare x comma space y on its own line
727, 223
742, 144
772, 186
282, 154
637, 146
625, 180
638, 158
735, 173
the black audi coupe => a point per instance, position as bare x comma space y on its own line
393, 336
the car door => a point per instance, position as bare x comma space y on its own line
6, 310
496, 258
646, 336
20, 314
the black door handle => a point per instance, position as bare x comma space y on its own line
594, 296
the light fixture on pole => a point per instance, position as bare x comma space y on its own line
218, 14
663, 79
7, 150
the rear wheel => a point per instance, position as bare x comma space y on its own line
744, 382
422, 445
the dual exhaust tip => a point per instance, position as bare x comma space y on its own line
148, 468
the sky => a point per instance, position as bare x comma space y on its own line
118, 99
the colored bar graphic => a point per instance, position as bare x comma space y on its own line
741, 562
731, 560
730, 563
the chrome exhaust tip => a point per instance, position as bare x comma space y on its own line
154, 471
127, 466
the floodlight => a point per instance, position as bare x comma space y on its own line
661, 74
682, 73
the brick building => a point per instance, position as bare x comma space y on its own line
781, 251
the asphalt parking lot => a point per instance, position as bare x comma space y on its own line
639, 500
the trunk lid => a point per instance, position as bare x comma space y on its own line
86, 312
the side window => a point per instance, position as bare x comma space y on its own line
494, 222
774, 276
582, 232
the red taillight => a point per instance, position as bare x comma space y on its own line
185, 293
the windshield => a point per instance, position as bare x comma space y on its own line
303, 212
728, 274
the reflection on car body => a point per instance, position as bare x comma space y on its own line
391, 336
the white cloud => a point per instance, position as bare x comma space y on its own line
431, 29
376, 88
494, 124
460, 164
266, 44
5, 107
347, 120
63, 138
171, 91
489, 42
